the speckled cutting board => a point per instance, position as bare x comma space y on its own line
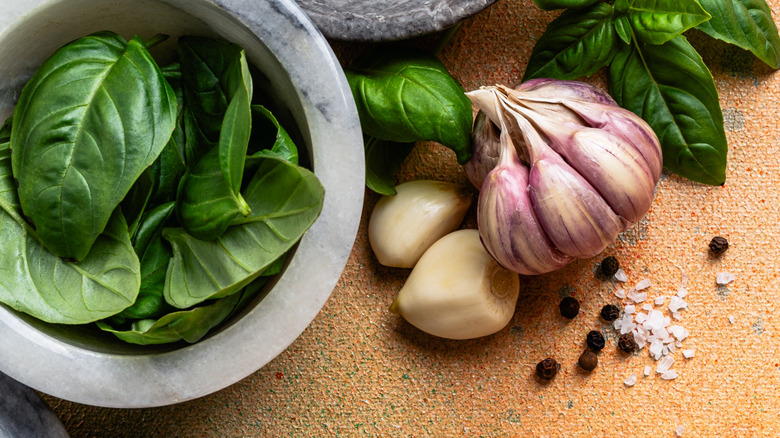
359, 370
385, 20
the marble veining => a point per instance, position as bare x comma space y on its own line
371, 20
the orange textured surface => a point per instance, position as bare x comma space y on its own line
359, 370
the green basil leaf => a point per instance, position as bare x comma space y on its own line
671, 88
404, 95
658, 21
170, 165
383, 158
285, 200
209, 193
206, 205
135, 202
269, 135
745, 23
623, 29
577, 43
5, 130
549, 5
39, 283
94, 116
187, 325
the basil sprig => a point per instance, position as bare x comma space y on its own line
653, 70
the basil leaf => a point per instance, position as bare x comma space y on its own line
285, 200
94, 116
39, 283
269, 136
135, 202
188, 325
209, 192
206, 205
5, 131
623, 29
577, 43
745, 23
404, 95
382, 161
658, 21
549, 5
169, 166
670, 87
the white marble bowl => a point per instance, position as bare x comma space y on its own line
305, 79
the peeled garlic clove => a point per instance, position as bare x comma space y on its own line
614, 168
508, 226
457, 291
406, 224
485, 150
575, 217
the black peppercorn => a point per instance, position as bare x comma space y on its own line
569, 307
609, 266
610, 312
547, 369
595, 341
588, 360
718, 245
627, 343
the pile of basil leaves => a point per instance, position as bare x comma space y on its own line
153, 201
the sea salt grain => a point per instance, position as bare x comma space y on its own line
724, 278
644, 284
630, 380
679, 431
689, 353
630, 309
620, 293
648, 370
664, 364
621, 276
659, 300
731, 319
676, 304
670, 375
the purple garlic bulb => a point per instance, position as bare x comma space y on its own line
562, 170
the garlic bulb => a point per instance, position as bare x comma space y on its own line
573, 171
404, 225
457, 290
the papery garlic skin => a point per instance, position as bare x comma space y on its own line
457, 291
403, 226
574, 215
508, 226
486, 150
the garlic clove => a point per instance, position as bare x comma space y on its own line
406, 224
614, 168
507, 224
573, 214
457, 291
558, 91
485, 150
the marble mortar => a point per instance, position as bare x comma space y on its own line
303, 77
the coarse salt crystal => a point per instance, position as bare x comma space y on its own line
631, 295
640, 297
664, 351
630, 309
639, 339
620, 293
640, 318
676, 304
621, 276
671, 348
630, 380
647, 307
661, 333
655, 319
618, 324
655, 349
644, 284
670, 375
659, 300
677, 315
724, 278
679, 332
679, 431
664, 364
682, 293
627, 327
731, 319
689, 353
648, 370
